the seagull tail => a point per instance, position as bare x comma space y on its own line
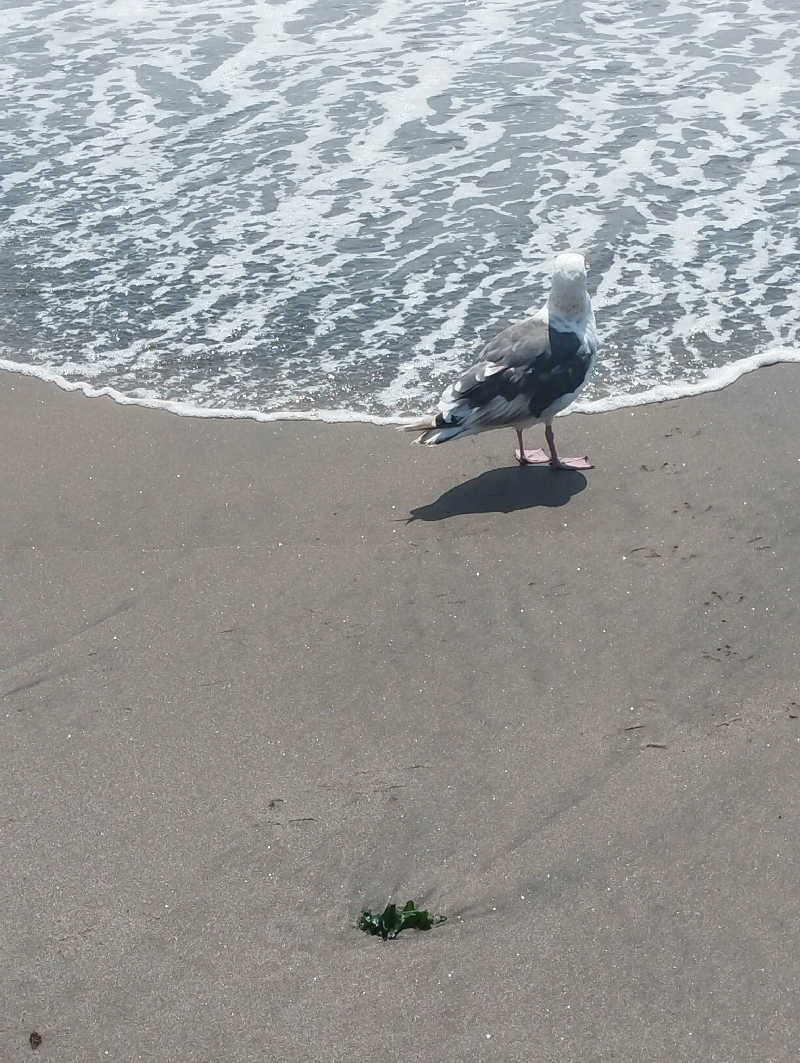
432, 432
420, 425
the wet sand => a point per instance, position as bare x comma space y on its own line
257, 677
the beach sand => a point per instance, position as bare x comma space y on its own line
244, 696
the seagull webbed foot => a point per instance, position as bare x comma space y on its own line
570, 463
531, 457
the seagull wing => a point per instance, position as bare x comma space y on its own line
496, 390
528, 372
523, 371
518, 345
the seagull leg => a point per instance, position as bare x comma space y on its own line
563, 463
529, 457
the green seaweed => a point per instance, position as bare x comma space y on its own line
393, 919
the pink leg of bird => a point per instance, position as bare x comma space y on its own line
529, 457
563, 463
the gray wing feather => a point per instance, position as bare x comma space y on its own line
518, 344
493, 392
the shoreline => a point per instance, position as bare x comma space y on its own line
256, 678
716, 380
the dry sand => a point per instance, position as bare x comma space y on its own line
244, 697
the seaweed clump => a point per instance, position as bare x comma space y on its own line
393, 920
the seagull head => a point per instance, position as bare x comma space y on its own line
568, 293
570, 268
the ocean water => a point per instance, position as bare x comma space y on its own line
323, 208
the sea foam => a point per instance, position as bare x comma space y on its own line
715, 380
298, 207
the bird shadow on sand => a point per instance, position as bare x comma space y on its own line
504, 491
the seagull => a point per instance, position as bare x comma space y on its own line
525, 375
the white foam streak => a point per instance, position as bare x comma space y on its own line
269, 40
716, 380
683, 389
186, 409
